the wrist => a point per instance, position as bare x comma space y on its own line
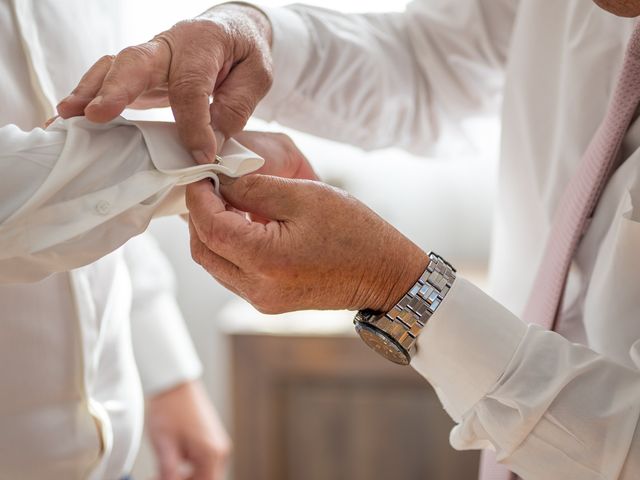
408, 273
400, 271
173, 391
393, 333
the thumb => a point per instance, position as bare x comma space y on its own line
274, 198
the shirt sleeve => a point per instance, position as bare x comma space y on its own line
406, 79
78, 190
163, 349
547, 407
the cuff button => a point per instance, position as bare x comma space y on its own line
103, 207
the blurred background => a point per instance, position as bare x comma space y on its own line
300, 396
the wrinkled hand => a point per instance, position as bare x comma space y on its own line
281, 155
224, 52
185, 430
320, 249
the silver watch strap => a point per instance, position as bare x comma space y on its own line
407, 318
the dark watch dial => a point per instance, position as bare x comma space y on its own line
383, 344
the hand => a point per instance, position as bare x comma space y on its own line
185, 429
320, 249
225, 52
282, 157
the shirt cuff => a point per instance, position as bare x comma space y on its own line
171, 158
466, 346
164, 352
290, 50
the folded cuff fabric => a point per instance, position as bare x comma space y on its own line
452, 351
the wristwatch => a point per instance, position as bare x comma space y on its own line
393, 334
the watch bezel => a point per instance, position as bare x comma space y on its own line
404, 358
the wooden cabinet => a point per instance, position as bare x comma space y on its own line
328, 408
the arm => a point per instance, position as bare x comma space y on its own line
406, 79
549, 408
182, 423
396, 79
78, 190
164, 352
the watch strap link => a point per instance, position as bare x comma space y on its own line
404, 322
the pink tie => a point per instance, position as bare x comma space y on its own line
575, 208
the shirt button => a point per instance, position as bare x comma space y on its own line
103, 207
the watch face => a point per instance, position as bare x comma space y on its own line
381, 344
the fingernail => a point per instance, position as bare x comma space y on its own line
225, 180
96, 102
66, 99
50, 121
200, 157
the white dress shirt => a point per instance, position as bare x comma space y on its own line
551, 405
70, 397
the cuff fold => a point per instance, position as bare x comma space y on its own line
466, 346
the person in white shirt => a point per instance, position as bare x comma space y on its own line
71, 403
550, 405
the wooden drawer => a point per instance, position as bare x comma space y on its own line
328, 408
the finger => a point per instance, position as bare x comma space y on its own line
130, 75
227, 233
202, 201
155, 97
205, 469
237, 97
191, 84
286, 167
220, 468
270, 146
282, 156
305, 171
208, 466
169, 460
225, 272
221, 464
86, 90
270, 197
50, 121
208, 470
